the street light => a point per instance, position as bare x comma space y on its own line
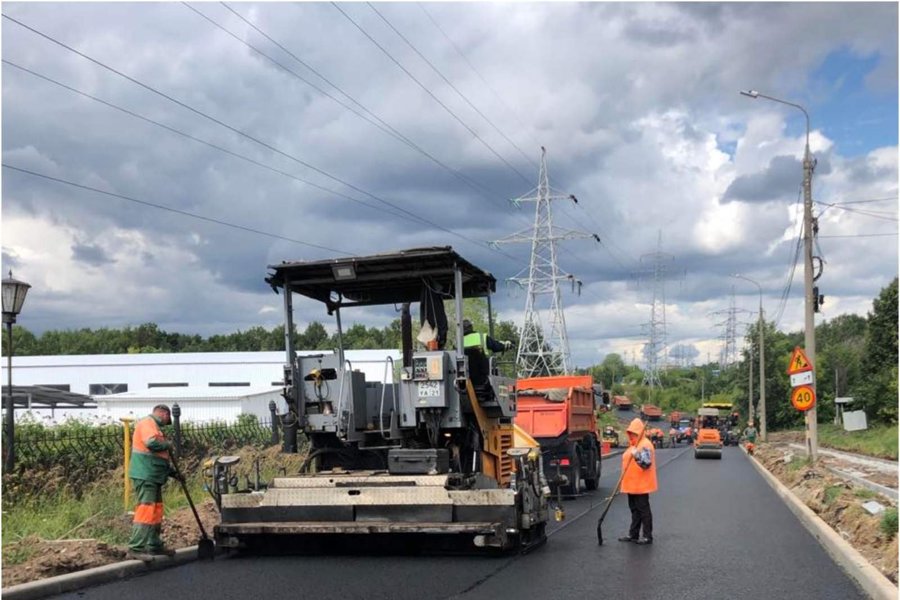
812, 448
762, 363
14, 292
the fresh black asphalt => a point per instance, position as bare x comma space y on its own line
720, 532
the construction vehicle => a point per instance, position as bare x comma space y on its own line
685, 430
650, 412
433, 458
611, 436
559, 413
622, 402
708, 443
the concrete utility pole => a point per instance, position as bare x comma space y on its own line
809, 231
762, 363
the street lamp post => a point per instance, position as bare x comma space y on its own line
14, 292
762, 362
812, 446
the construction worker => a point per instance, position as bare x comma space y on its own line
639, 481
475, 346
750, 437
149, 470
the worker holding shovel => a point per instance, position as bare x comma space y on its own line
639, 481
149, 469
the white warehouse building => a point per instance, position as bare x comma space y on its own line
206, 385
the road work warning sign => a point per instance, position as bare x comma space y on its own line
799, 362
803, 397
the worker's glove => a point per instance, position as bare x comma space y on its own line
506, 344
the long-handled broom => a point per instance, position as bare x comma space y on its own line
618, 486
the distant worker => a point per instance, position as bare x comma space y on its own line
673, 436
476, 346
750, 437
149, 470
639, 481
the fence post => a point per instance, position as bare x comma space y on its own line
274, 417
126, 445
176, 421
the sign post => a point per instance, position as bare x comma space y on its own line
803, 395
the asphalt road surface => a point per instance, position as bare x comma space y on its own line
720, 532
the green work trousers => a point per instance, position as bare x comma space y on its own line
147, 525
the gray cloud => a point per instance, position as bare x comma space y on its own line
92, 255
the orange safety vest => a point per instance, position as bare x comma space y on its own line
636, 479
145, 430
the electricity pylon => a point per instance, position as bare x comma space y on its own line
543, 351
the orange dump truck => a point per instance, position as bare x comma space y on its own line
558, 412
650, 412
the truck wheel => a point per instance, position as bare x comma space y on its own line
574, 474
591, 482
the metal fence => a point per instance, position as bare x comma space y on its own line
101, 448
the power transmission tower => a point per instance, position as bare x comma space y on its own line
543, 352
655, 348
728, 354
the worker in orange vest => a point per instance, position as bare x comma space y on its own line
639, 481
149, 469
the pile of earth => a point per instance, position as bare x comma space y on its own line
837, 502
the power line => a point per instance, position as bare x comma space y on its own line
480, 76
250, 137
884, 215
202, 141
857, 235
450, 83
429, 92
374, 120
174, 210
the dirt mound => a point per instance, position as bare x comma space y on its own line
836, 501
50, 558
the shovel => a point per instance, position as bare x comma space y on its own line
206, 549
616, 490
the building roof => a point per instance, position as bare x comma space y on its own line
186, 358
34, 396
190, 393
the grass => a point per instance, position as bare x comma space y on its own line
889, 522
797, 463
832, 492
880, 440
99, 514
864, 493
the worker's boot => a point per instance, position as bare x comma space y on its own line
643, 541
139, 555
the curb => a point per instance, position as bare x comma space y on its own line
870, 579
68, 582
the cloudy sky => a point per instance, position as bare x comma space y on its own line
157, 156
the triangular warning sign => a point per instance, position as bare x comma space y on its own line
799, 362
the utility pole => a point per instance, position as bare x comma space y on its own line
762, 362
810, 228
543, 352
656, 328
750, 370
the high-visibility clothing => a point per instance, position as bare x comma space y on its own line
475, 340
148, 515
149, 452
638, 480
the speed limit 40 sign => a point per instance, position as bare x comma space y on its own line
803, 397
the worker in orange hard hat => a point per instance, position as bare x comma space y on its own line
639, 481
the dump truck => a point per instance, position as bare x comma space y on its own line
431, 456
650, 412
622, 402
559, 413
